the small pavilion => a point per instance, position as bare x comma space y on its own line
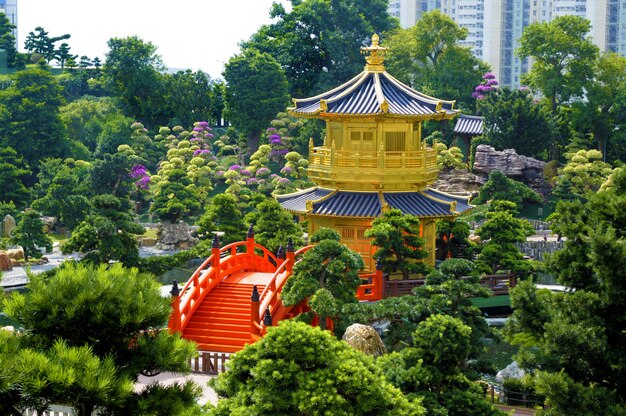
373, 158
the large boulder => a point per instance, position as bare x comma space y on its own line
512, 370
365, 339
459, 182
8, 225
173, 236
16, 253
517, 167
5, 262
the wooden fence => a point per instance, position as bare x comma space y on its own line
211, 363
498, 283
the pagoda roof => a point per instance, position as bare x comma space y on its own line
336, 203
471, 125
374, 93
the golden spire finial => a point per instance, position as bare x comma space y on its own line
375, 55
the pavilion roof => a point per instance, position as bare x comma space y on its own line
336, 203
471, 125
374, 92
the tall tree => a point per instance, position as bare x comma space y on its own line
574, 343
513, 120
603, 113
39, 42
317, 42
13, 173
249, 107
188, 98
428, 57
563, 57
133, 71
31, 124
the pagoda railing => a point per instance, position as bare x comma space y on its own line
341, 165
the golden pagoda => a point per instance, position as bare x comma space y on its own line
373, 158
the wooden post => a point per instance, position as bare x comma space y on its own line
378, 281
280, 254
250, 244
254, 310
174, 323
267, 318
215, 252
291, 255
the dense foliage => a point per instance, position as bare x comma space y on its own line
299, 370
88, 334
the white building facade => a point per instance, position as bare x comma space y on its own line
495, 26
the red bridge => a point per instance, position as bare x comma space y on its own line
232, 298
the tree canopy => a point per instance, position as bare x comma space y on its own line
327, 275
563, 57
89, 352
249, 107
400, 246
299, 370
318, 42
513, 120
428, 57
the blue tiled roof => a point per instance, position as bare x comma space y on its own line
350, 204
297, 202
371, 93
472, 125
428, 203
462, 203
417, 204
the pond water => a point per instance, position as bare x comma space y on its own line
181, 273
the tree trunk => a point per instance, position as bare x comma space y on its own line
85, 409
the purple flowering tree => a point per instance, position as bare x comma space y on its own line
488, 85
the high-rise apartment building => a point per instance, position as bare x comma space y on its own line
9, 8
495, 26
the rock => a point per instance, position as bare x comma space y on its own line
510, 371
459, 182
148, 242
8, 328
517, 167
16, 253
365, 339
8, 225
473, 238
5, 262
175, 236
48, 223
15, 263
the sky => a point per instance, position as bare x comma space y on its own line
195, 34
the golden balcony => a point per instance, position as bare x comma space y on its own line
390, 170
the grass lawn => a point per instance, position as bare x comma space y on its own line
60, 238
